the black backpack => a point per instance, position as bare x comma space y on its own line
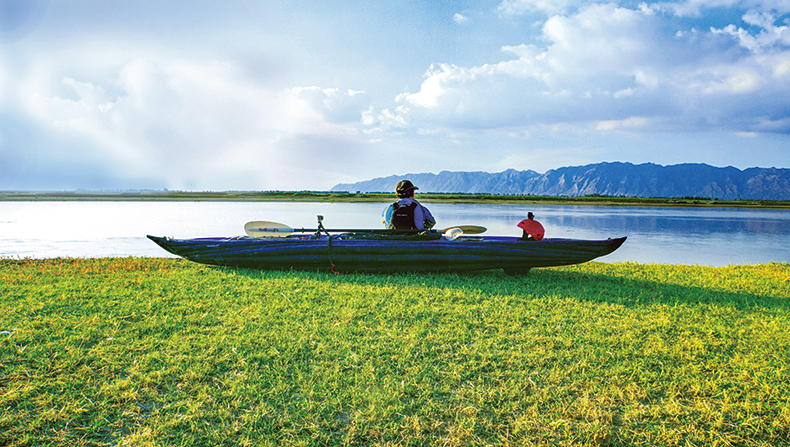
403, 216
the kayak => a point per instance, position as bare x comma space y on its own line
368, 252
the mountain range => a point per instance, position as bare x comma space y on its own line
610, 179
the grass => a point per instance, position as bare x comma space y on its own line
136, 351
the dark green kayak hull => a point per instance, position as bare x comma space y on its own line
362, 255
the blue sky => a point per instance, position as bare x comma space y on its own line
292, 95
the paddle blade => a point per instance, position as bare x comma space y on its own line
262, 228
467, 229
453, 234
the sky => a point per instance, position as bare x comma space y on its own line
304, 94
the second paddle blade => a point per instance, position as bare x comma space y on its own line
262, 228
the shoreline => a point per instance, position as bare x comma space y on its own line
308, 196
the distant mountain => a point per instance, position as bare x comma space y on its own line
611, 179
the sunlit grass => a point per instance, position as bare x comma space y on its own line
165, 352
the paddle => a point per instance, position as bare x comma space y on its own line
262, 228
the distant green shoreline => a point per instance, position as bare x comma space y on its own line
312, 196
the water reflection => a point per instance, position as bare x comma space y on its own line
704, 236
643, 219
709, 236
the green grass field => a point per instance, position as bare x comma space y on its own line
137, 351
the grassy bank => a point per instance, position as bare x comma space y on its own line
311, 196
164, 352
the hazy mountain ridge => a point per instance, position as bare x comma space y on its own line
611, 179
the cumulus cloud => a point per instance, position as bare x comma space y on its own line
770, 36
334, 105
698, 7
683, 8
606, 67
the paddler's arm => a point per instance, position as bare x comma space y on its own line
386, 216
428, 220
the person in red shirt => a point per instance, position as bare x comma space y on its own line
532, 230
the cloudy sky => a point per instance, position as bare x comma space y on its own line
304, 94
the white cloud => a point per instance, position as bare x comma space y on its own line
384, 120
432, 88
188, 119
694, 8
687, 8
771, 36
734, 80
609, 68
334, 105
633, 123
460, 19
781, 66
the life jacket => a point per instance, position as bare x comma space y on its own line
403, 216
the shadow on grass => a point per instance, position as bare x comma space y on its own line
635, 292
598, 287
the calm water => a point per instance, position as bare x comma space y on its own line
715, 237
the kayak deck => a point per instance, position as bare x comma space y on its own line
374, 255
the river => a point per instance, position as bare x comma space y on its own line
703, 236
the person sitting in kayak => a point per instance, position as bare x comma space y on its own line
532, 230
407, 213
